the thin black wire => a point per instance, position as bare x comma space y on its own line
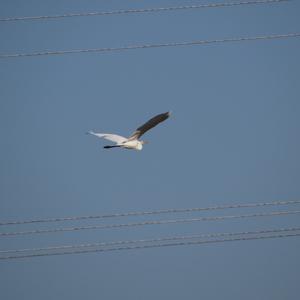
158, 245
156, 222
148, 46
152, 212
172, 238
139, 11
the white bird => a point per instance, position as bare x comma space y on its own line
133, 141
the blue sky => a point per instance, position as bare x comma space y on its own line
233, 138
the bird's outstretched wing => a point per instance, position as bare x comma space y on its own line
111, 137
148, 125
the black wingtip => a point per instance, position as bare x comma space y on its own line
167, 114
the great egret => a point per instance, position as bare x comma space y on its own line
133, 141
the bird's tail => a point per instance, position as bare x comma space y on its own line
115, 146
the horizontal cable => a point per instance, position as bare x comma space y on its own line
148, 46
151, 212
156, 222
142, 10
158, 245
186, 237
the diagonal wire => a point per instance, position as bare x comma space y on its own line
148, 46
155, 222
163, 239
157, 245
142, 10
151, 212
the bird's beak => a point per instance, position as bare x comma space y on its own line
145, 142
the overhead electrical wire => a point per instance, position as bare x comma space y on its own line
151, 222
242, 237
140, 10
148, 46
163, 239
151, 212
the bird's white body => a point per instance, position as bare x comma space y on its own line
133, 141
135, 144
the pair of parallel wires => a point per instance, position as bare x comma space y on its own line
195, 239
146, 46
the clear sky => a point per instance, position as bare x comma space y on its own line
233, 138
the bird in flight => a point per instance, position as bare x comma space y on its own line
133, 141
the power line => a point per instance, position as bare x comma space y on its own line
139, 11
157, 245
185, 237
155, 222
152, 212
148, 46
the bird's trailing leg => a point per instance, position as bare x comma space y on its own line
108, 147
